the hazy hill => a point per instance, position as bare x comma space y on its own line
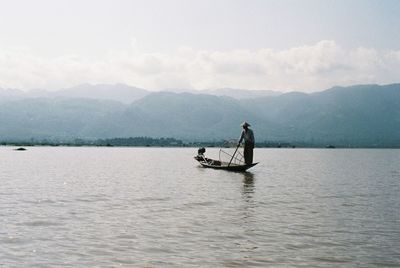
195, 116
49, 118
117, 92
234, 93
242, 93
10, 94
123, 93
360, 115
368, 114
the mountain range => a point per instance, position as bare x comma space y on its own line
123, 93
362, 115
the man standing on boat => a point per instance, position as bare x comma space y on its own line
248, 137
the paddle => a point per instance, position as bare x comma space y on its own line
237, 147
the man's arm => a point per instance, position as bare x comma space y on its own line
241, 138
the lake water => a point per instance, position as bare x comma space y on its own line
155, 207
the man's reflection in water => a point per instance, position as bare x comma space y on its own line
249, 222
248, 185
248, 190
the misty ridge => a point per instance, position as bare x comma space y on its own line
355, 116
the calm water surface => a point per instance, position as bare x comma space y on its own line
155, 207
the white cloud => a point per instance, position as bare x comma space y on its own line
305, 68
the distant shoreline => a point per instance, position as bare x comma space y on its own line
178, 143
188, 145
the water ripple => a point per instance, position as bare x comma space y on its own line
114, 207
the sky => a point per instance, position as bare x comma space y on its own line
281, 45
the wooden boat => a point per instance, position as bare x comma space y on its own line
238, 166
225, 166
